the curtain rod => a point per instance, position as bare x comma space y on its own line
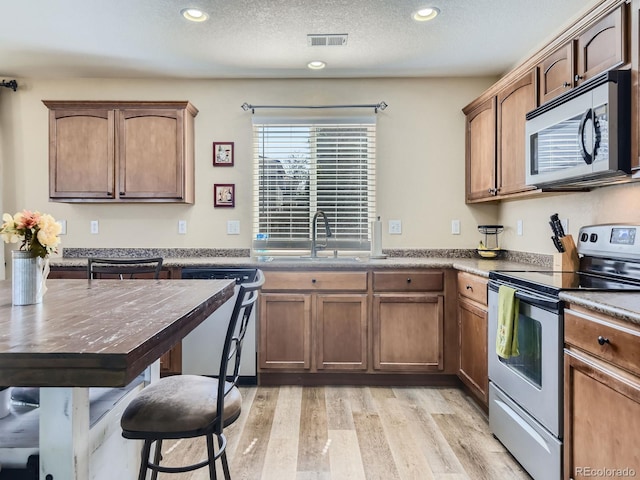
376, 106
12, 84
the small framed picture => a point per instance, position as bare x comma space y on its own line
224, 195
223, 154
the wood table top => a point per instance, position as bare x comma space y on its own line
99, 333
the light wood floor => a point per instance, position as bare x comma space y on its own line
353, 433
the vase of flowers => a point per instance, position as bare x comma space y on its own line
39, 236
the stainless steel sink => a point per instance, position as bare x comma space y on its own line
308, 259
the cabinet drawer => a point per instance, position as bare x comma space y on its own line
473, 287
340, 281
619, 343
409, 281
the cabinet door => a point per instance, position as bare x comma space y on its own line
285, 331
341, 332
513, 104
81, 154
472, 322
602, 47
408, 332
556, 73
171, 362
601, 418
151, 153
481, 151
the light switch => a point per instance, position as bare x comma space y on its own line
395, 227
182, 227
519, 227
455, 227
94, 227
233, 227
63, 227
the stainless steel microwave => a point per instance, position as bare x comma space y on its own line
583, 137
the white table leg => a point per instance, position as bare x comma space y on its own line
64, 433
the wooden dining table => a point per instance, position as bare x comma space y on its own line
95, 333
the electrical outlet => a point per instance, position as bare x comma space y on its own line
455, 227
182, 227
94, 227
63, 226
233, 227
519, 227
395, 227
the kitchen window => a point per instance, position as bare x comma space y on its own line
301, 167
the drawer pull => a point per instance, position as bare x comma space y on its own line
313, 280
469, 287
408, 280
602, 340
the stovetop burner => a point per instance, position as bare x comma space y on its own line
553, 282
610, 262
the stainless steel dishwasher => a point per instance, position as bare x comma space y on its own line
202, 348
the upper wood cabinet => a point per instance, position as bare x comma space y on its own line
514, 101
600, 47
121, 151
495, 141
481, 151
556, 73
603, 46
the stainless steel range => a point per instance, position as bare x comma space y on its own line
525, 391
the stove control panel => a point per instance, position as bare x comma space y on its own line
610, 241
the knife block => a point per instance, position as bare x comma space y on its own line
568, 260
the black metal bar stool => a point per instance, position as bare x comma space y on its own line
188, 406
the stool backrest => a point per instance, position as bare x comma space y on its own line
236, 331
124, 268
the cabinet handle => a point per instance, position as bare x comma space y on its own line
109, 194
602, 340
313, 280
566, 84
469, 287
408, 280
577, 78
122, 194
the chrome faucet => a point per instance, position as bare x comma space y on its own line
314, 233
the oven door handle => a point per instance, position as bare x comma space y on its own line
542, 301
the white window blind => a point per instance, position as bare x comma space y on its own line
301, 168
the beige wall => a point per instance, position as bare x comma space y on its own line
420, 157
420, 164
611, 204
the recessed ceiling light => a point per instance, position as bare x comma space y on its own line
425, 14
194, 14
316, 65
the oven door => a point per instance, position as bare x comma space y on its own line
533, 379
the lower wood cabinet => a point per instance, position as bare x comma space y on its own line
408, 332
472, 328
408, 321
341, 332
601, 396
306, 325
353, 322
285, 331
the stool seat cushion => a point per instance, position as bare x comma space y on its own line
180, 403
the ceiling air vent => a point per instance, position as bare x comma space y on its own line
330, 40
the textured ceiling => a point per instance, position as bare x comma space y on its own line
268, 38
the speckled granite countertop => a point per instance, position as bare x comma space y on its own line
207, 258
624, 305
